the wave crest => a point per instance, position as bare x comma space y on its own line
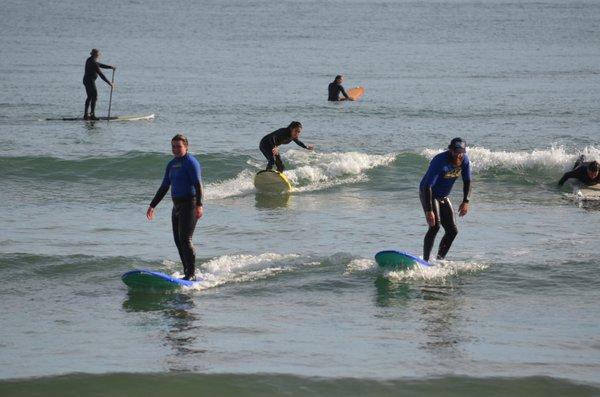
555, 157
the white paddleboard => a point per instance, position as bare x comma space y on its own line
112, 118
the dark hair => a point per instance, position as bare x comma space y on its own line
294, 124
94, 52
338, 77
180, 137
458, 144
593, 166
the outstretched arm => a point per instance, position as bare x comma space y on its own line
301, 144
103, 77
567, 175
346, 96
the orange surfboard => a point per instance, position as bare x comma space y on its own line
356, 92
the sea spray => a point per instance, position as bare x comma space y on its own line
307, 171
555, 158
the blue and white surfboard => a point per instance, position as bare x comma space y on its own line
148, 279
399, 260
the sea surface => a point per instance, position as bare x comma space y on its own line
293, 303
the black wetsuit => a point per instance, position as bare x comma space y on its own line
334, 91
92, 71
580, 173
282, 136
444, 215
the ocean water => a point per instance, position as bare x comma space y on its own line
294, 303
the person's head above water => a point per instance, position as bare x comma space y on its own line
339, 79
457, 148
592, 169
95, 53
458, 145
179, 145
296, 128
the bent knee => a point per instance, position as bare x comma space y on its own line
435, 228
452, 231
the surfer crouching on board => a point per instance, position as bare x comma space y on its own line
92, 71
335, 88
434, 189
184, 177
269, 144
586, 173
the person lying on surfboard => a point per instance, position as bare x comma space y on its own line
269, 144
335, 88
434, 189
92, 71
183, 175
586, 173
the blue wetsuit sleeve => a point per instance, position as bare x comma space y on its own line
299, 143
195, 175
193, 170
166, 179
432, 174
430, 178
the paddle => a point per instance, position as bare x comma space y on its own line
112, 83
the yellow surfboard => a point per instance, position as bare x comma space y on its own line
356, 92
272, 182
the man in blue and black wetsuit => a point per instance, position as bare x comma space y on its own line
434, 189
269, 144
183, 175
335, 88
92, 71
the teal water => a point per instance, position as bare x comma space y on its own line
287, 385
293, 301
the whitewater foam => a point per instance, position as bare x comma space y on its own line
244, 268
309, 171
360, 265
315, 171
441, 271
242, 184
555, 157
